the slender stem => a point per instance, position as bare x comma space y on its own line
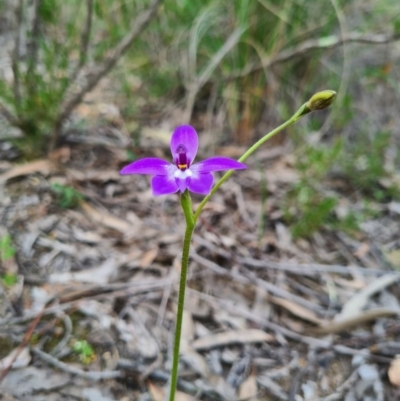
300, 113
191, 220
186, 204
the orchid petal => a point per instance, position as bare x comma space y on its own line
201, 183
149, 165
185, 136
182, 183
217, 164
163, 185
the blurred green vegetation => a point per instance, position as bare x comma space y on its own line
67, 196
7, 250
252, 62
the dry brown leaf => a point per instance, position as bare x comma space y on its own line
362, 250
356, 304
297, 310
356, 320
394, 371
231, 337
38, 166
23, 358
105, 218
61, 155
97, 275
148, 258
158, 393
248, 389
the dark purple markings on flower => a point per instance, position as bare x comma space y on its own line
182, 175
182, 161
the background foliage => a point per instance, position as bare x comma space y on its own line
236, 68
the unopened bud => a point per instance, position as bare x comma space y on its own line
321, 100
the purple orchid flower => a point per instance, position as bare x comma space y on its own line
170, 178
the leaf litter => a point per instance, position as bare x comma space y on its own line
266, 316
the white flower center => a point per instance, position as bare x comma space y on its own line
182, 174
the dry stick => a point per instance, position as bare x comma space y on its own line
316, 343
85, 40
329, 42
24, 343
16, 55
94, 75
94, 376
252, 279
91, 293
308, 269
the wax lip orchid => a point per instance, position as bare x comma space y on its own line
182, 174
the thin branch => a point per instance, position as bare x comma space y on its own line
311, 269
16, 54
251, 278
85, 39
20, 348
94, 376
328, 42
94, 75
86, 34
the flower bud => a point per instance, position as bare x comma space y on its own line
321, 100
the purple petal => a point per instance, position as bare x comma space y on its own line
201, 183
185, 136
163, 185
182, 183
149, 165
217, 164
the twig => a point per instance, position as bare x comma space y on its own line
94, 376
94, 75
328, 42
68, 332
346, 385
309, 269
270, 288
85, 39
70, 300
297, 381
24, 343
131, 367
313, 342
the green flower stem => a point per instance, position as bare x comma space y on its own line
186, 204
296, 117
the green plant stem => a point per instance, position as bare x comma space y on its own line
191, 220
299, 114
186, 204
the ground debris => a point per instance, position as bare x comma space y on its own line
259, 306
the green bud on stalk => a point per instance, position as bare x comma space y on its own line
321, 100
